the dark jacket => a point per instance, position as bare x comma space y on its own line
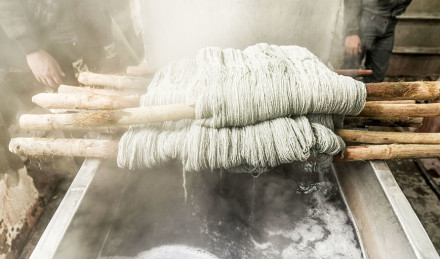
40, 24
383, 8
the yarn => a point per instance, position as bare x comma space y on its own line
255, 109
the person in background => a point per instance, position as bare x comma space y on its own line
369, 29
58, 37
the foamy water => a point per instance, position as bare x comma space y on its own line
171, 252
284, 213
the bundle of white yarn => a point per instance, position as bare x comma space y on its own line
257, 108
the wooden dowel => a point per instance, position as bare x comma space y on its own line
115, 81
70, 97
353, 72
85, 101
140, 71
187, 111
394, 102
399, 110
37, 147
145, 70
108, 118
108, 148
386, 152
386, 91
381, 137
420, 91
384, 121
68, 89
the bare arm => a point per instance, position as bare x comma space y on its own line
352, 15
45, 68
17, 26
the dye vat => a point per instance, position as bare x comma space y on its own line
291, 211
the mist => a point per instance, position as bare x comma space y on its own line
290, 211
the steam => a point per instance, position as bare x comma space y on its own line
176, 29
289, 212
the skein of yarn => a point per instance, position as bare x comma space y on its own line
257, 108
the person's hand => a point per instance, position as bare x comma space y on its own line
353, 45
45, 68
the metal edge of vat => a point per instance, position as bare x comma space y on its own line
386, 223
58, 225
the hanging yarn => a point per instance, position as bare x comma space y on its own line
257, 108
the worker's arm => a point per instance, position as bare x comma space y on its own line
352, 16
17, 26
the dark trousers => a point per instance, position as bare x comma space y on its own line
377, 40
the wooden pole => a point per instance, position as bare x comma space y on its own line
420, 91
68, 89
393, 102
187, 111
386, 152
37, 147
141, 71
353, 72
380, 137
109, 148
146, 70
108, 118
115, 81
386, 91
400, 110
70, 97
85, 101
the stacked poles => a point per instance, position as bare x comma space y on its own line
103, 110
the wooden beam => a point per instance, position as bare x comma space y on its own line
386, 152
381, 137
400, 110
420, 91
114, 81
37, 147
353, 72
108, 118
85, 101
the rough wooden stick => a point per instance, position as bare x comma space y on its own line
400, 110
115, 81
108, 118
145, 70
70, 97
420, 91
187, 111
375, 91
384, 121
37, 147
386, 91
386, 152
394, 102
353, 72
178, 112
140, 71
108, 148
381, 137
85, 101
68, 89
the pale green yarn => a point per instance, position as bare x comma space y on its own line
265, 82
245, 101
